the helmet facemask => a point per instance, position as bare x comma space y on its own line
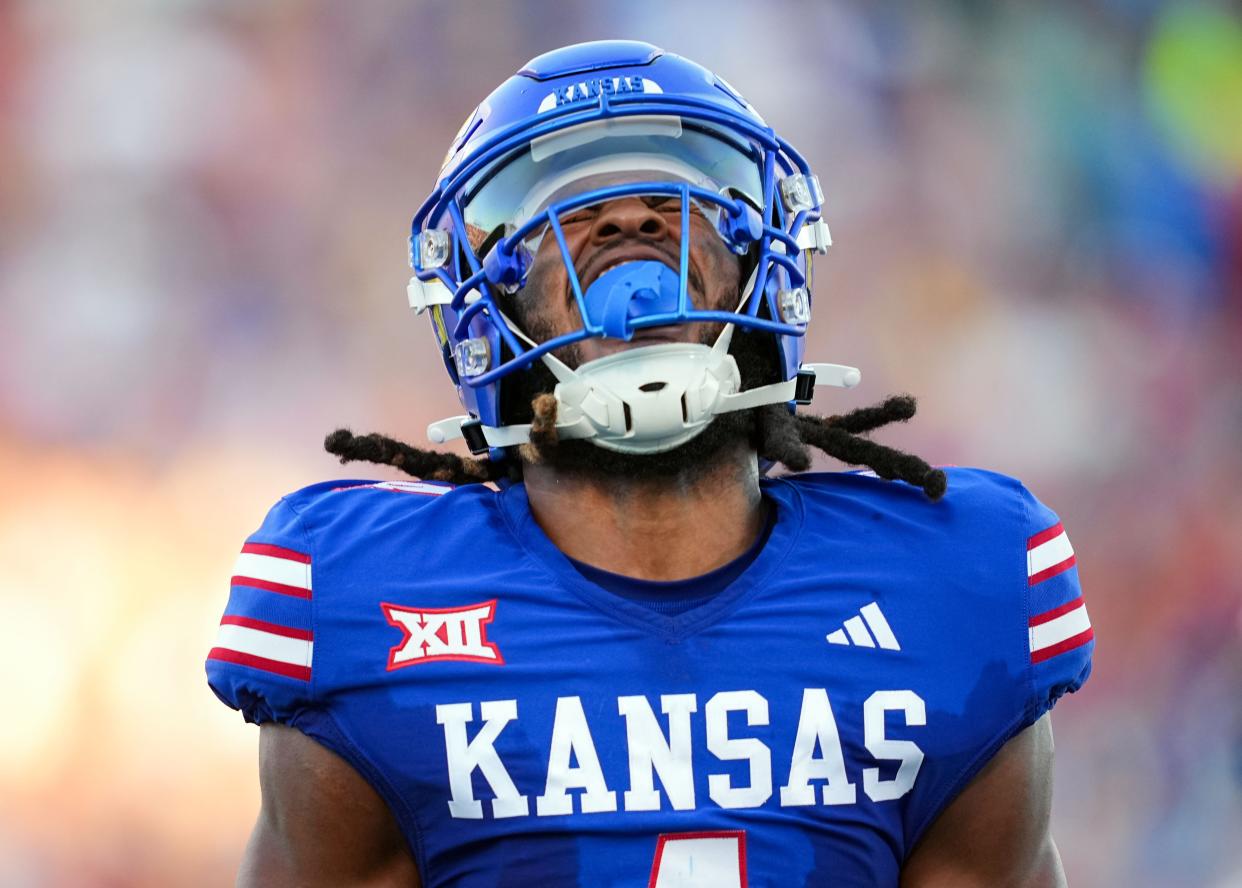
523, 197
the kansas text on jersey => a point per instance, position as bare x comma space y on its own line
528, 727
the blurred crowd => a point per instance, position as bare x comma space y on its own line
1037, 210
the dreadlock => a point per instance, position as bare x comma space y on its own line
840, 437
779, 437
424, 464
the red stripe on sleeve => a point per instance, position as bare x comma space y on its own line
288, 669
1044, 535
1038, 619
1062, 646
275, 552
263, 626
281, 588
1049, 572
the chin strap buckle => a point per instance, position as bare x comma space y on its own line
476, 440
466, 427
480, 438
811, 375
838, 375
799, 389
804, 387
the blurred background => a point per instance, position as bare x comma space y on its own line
1037, 211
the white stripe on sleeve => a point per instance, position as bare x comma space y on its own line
1057, 630
1047, 554
268, 645
273, 569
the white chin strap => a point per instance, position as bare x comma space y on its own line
649, 399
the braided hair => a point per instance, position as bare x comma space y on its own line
779, 437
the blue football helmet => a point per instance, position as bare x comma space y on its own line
577, 127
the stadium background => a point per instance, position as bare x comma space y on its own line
1038, 220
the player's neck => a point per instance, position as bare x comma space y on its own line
667, 529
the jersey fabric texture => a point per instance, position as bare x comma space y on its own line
803, 726
673, 597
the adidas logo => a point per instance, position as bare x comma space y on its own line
855, 630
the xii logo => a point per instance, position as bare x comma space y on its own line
430, 634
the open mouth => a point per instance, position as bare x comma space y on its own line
616, 263
667, 335
601, 263
657, 335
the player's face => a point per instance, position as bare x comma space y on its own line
627, 229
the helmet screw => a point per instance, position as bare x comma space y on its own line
795, 305
472, 356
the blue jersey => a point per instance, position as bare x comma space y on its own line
802, 727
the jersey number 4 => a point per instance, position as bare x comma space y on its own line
700, 860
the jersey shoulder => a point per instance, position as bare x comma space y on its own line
969, 491
979, 519
1009, 551
262, 660
323, 506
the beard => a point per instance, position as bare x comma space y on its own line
756, 358
682, 465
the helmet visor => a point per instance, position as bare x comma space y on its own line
601, 153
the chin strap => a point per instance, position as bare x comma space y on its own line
586, 409
809, 376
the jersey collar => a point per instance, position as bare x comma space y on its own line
515, 507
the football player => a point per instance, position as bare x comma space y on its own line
634, 658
